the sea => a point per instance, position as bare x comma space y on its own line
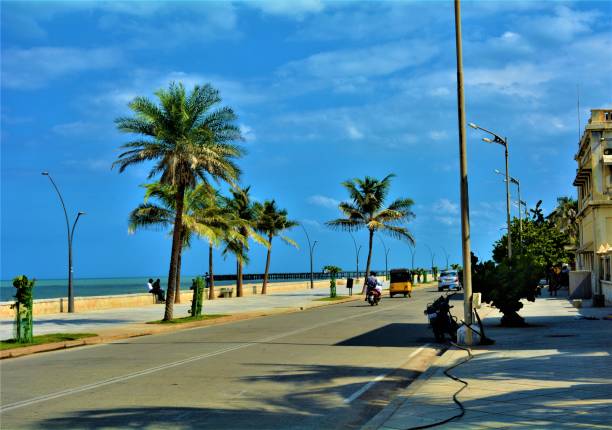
87, 287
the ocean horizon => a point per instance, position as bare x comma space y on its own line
87, 287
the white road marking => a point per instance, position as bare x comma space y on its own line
379, 378
75, 390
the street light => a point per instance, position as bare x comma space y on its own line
433, 255
518, 185
504, 142
70, 232
446, 255
311, 250
386, 256
412, 253
357, 251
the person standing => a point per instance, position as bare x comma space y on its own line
150, 285
158, 291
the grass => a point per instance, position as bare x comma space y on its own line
330, 299
188, 319
45, 338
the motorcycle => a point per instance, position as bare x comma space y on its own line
373, 296
440, 319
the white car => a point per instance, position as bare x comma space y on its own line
449, 280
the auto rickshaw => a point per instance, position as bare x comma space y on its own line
400, 282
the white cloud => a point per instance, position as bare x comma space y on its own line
34, 67
448, 220
296, 9
523, 79
377, 60
353, 132
565, 24
247, 133
326, 202
438, 135
75, 128
445, 206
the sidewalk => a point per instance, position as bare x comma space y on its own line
555, 374
104, 321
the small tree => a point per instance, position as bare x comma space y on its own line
504, 285
23, 309
434, 272
333, 272
197, 285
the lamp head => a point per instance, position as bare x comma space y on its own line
486, 139
44, 173
471, 124
514, 181
498, 172
81, 213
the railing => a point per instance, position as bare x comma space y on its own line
288, 276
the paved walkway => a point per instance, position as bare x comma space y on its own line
110, 319
555, 374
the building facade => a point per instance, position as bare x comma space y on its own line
594, 186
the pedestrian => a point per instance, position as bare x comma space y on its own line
564, 278
149, 285
554, 281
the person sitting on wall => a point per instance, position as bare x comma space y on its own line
158, 291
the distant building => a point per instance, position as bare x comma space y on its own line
594, 185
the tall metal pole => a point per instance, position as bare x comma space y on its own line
518, 185
70, 234
508, 200
465, 209
432, 255
386, 256
446, 255
357, 251
311, 251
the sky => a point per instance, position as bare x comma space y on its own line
324, 92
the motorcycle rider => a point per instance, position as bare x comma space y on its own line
373, 285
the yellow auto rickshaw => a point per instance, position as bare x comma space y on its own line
400, 282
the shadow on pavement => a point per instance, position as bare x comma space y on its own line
392, 335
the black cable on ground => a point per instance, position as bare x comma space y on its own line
454, 378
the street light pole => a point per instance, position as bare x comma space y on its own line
386, 256
465, 208
70, 234
518, 186
412, 253
446, 255
433, 255
357, 251
504, 142
311, 250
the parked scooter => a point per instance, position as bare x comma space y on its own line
373, 296
441, 320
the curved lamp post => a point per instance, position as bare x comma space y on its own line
70, 232
518, 186
412, 254
357, 251
445, 255
386, 257
433, 256
503, 142
311, 250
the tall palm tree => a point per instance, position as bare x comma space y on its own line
565, 217
245, 214
187, 141
271, 223
155, 216
366, 210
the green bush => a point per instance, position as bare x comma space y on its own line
503, 285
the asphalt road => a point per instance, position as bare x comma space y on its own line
329, 367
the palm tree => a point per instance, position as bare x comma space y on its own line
151, 215
272, 222
245, 214
366, 211
187, 141
565, 217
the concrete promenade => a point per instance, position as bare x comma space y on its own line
103, 321
557, 373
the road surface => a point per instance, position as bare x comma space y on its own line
329, 367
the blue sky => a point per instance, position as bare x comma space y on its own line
324, 92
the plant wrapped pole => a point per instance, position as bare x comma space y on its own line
333, 272
197, 286
23, 309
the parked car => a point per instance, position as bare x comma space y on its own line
449, 280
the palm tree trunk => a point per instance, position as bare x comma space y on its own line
264, 287
174, 255
367, 272
211, 279
239, 277
177, 290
